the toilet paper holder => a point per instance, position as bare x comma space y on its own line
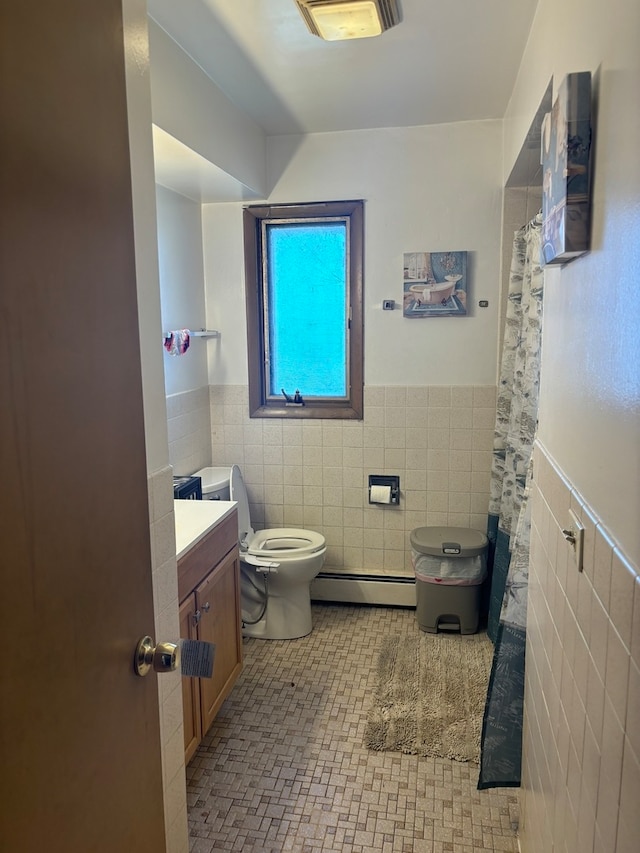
392, 481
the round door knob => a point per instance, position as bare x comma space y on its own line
165, 657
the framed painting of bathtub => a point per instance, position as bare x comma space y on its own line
566, 172
435, 284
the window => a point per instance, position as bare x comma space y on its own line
303, 267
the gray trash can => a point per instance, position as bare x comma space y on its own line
450, 565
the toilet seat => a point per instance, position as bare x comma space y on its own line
285, 543
277, 543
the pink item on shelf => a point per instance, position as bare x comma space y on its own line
177, 342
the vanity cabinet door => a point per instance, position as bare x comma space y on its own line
218, 600
190, 686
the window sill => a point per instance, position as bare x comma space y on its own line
329, 412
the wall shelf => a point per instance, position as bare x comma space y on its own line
205, 333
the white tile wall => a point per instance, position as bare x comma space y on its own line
189, 430
314, 473
581, 759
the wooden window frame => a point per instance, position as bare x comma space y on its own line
260, 405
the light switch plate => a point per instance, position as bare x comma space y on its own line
574, 534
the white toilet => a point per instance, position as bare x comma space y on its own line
276, 565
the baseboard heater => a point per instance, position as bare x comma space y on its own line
358, 588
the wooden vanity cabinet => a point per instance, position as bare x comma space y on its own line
209, 591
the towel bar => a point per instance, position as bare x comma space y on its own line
201, 333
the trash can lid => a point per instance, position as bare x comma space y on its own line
448, 541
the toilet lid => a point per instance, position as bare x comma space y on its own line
238, 493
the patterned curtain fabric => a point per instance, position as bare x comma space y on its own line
509, 516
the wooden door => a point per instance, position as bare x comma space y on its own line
218, 600
79, 731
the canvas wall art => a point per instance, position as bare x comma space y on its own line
566, 158
435, 284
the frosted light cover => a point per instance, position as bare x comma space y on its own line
348, 20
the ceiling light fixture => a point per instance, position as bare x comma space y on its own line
334, 20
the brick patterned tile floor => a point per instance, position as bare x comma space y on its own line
284, 768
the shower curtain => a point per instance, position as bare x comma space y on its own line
509, 512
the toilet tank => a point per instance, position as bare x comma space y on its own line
215, 483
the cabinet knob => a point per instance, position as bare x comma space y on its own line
197, 616
206, 607
164, 657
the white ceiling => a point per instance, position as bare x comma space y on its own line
447, 61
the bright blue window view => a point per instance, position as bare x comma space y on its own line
306, 301
304, 278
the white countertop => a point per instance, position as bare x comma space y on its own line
194, 519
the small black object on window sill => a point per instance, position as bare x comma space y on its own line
296, 400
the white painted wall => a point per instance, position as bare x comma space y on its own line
182, 287
434, 188
590, 388
144, 211
224, 285
188, 105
